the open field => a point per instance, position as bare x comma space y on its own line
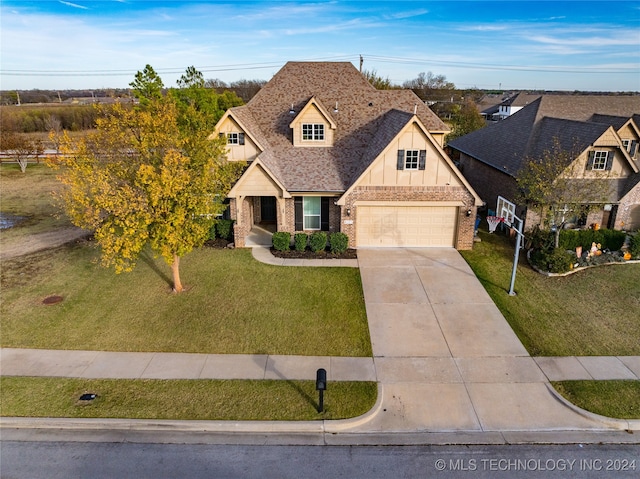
592, 312
29, 195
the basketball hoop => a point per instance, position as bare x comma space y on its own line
494, 221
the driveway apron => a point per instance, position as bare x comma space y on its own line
444, 355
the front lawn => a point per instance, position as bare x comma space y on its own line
593, 312
233, 305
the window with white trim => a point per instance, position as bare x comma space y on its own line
313, 132
411, 159
626, 144
600, 160
235, 138
311, 211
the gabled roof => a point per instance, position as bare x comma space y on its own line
527, 133
364, 117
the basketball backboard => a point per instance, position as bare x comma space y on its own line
505, 209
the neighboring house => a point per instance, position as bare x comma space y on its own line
602, 130
508, 107
329, 152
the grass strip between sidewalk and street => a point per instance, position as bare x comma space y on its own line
619, 399
183, 399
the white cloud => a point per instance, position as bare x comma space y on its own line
74, 5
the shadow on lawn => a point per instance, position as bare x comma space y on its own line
270, 367
150, 261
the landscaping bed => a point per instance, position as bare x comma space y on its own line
308, 254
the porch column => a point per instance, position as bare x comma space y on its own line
281, 216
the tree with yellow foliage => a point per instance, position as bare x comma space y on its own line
147, 176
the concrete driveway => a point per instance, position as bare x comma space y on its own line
445, 357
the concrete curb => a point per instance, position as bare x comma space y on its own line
276, 433
622, 424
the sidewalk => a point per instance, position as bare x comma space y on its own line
444, 357
123, 365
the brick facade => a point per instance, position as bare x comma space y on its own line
487, 182
465, 226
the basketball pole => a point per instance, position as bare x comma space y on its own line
516, 255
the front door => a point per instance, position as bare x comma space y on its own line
268, 209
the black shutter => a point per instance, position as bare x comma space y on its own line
324, 213
401, 159
299, 225
221, 135
592, 155
609, 164
634, 147
241, 138
422, 160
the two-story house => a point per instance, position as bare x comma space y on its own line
326, 151
602, 132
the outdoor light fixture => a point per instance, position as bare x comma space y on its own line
469, 212
348, 211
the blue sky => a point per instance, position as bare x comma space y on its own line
554, 45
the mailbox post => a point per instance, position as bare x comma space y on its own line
321, 386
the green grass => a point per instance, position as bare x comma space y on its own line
233, 305
619, 399
592, 312
30, 195
183, 399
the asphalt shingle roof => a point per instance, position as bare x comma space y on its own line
529, 132
366, 120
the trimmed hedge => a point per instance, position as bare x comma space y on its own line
318, 241
339, 242
608, 239
634, 245
300, 241
281, 240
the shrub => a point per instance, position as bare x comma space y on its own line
339, 242
555, 260
634, 245
608, 239
281, 240
300, 241
318, 241
224, 229
212, 232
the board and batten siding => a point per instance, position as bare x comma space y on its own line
385, 172
247, 152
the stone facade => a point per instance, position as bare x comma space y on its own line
628, 215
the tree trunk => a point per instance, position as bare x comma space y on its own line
175, 268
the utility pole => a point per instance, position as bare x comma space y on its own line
361, 62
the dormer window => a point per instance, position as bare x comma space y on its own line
235, 138
312, 132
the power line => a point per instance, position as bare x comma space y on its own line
367, 57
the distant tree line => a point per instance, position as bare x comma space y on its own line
452, 105
31, 119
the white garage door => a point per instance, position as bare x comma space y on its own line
406, 226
